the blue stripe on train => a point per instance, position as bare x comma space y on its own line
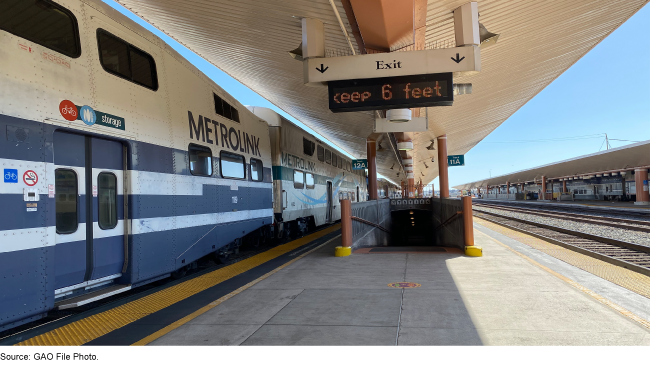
157, 253
24, 286
215, 199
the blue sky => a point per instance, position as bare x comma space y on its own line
607, 91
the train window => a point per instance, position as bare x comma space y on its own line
232, 165
224, 109
257, 170
298, 179
126, 61
200, 160
321, 153
43, 22
107, 198
328, 156
309, 180
340, 163
335, 160
308, 147
65, 186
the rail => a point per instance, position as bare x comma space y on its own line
370, 223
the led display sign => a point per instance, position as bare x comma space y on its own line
413, 91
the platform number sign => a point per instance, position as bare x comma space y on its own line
360, 164
456, 160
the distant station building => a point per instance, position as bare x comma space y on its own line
619, 174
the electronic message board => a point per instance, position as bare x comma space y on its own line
414, 91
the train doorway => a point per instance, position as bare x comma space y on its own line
89, 206
328, 213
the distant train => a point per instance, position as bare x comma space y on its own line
124, 164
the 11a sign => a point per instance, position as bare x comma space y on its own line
360, 164
455, 160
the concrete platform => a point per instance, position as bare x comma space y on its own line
513, 295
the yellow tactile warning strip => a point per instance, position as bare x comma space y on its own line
95, 326
178, 323
572, 258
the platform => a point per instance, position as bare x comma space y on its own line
523, 291
598, 204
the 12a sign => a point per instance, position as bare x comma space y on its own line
360, 164
455, 160
413, 91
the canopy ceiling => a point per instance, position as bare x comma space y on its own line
249, 40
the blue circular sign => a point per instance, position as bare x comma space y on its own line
87, 115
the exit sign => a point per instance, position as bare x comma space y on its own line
360, 164
413, 91
456, 160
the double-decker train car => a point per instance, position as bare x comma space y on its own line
309, 177
122, 163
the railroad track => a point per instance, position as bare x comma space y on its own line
628, 255
627, 224
601, 210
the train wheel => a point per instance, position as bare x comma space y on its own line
287, 230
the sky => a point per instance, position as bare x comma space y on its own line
605, 92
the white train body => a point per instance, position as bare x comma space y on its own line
309, 176
127, 151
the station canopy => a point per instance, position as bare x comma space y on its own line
620, 159
250, 40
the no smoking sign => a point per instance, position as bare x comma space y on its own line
30, 178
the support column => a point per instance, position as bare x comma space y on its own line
641, 181
468, 228
442, 166
371, 155
543, 198
346, 230
564, 186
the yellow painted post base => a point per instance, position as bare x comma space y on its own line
474, 251
342, 251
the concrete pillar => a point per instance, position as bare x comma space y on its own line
508, 188
371, 154
641, 181
564, 186
543, 188
411, 187
346, 230
442, 166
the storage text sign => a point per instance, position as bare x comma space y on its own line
414, 91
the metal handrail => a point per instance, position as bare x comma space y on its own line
370, 223
452, 218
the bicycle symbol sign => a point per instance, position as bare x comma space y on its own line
68, 110
11, 175
30, 178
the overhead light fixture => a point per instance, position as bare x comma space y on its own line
432, 160
297, 53
422, 174
430, 147
426, 166
380, 148
487, 38
398, 115
392, 166
405, 145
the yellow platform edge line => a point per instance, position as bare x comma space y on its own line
150, 338
628, 314
85, 330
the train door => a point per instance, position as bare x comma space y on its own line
89, 209
328, 214
357, 193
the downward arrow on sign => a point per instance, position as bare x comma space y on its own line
458, 59
322, 70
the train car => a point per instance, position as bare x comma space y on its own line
122, 162
309, 177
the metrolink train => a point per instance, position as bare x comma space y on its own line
123, 164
